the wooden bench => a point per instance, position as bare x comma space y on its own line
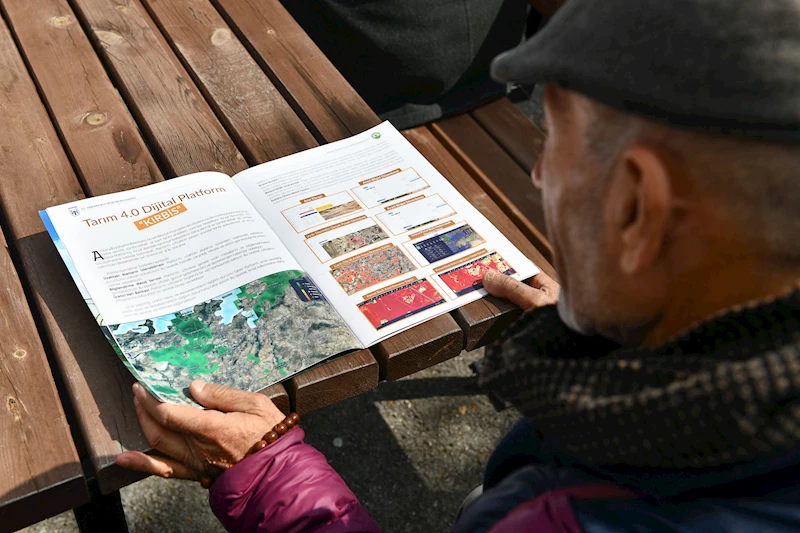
215, 85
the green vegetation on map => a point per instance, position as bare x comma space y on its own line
248, 338
163, 389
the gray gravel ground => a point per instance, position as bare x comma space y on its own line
410, 450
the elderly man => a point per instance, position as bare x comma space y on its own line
662, 393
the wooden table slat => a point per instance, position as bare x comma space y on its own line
318, 386
487, 317
261, 122
498, 174
175, 118
82, 100
42, 474
513, 130
316, 90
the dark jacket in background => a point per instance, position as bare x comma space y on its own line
414, 61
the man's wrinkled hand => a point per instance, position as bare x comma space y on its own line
234, 421
539, 291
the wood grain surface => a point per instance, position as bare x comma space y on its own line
88, 112
318, 93
41, 470
263, 125
176, 120
519, 136
318, 386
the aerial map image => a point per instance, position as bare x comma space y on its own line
450, 243
353, 241
249, 338
370, 268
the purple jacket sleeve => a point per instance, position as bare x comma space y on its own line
288, 487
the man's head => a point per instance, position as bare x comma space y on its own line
640, 213
670, 174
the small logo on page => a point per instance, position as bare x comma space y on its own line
74, 211
376, 135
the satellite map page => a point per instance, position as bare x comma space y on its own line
249, 338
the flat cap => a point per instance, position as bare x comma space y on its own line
726, 66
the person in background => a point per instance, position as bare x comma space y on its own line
415, 61
662, 391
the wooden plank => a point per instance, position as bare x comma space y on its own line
176, 120
263, 125
485, 318
513, 130
318, 93
319, 386
86, 108
498, 174
413, 350
42, 475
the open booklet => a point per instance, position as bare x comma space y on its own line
245, 281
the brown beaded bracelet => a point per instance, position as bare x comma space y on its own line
214, 469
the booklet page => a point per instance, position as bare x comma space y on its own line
383, 234
190, 282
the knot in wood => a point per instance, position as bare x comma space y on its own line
95, 119
11, 405
271, 32
108, 38
121, 8
61, 21
19, 353
218, 166
220, 36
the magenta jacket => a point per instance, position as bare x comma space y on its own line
288, 487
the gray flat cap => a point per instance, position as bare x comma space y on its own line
725, 66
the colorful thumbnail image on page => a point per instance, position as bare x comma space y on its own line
468, 277
353, 241
400, 303
448, 244
370, 268
249, 338
335, 211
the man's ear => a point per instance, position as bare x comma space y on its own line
639, 206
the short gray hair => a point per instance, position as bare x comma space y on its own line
758, 181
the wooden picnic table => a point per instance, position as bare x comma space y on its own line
100, 96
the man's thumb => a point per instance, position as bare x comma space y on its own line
223, 398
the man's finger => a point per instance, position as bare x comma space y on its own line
228, 400
162, 439
179, 418
545, 283
510, 289
156, 466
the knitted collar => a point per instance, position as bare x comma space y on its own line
723, 395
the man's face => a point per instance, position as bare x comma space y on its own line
573, 193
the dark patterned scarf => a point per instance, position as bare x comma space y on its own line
723, 395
